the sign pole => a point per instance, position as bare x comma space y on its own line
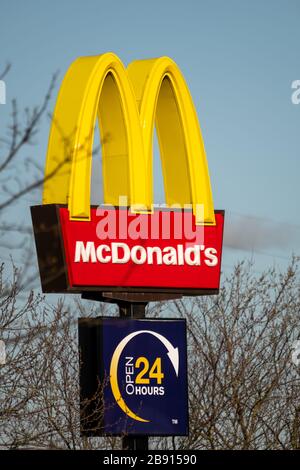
133, 310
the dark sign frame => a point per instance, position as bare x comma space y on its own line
93, 373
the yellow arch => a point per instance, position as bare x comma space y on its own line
163, 96
127, 110
95, 85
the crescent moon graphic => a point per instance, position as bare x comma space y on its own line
172, 353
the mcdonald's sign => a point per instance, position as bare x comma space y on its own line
127, 244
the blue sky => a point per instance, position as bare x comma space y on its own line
239, 59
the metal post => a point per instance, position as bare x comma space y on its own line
133, 310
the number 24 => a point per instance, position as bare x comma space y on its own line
154, 373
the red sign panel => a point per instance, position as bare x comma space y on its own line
162, 250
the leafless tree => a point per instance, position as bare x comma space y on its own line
243, 386
39, 387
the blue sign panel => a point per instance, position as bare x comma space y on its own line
144, 363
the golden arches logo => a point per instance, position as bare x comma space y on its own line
127, 103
